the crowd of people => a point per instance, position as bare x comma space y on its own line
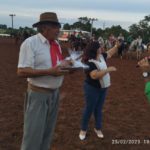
42, 63
130, 47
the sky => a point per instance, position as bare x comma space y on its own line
108, 12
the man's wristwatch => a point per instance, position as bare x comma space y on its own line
145, 74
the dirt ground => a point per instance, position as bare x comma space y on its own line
126, 111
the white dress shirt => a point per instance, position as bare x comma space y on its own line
35, 53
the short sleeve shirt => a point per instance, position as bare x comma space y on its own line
35, 53
93, 82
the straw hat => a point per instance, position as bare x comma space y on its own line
46, 18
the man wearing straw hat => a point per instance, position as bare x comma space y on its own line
40, 61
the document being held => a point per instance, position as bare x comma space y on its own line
75, 57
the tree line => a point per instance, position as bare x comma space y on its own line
142, 28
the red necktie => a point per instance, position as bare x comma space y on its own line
55, 53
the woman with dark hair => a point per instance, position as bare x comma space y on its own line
95, 86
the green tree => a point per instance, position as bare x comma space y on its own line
83, 23
142, 29
66, 26
3, 26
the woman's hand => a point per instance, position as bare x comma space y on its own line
111, 69
113, 50
98, 74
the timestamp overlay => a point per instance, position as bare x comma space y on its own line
130, 141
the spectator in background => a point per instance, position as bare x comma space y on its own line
112, 40
121, 37
121, 48
139, 48
94, 38
101, 42
26, 34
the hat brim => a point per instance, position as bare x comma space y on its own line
46, 22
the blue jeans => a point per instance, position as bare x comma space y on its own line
94, 99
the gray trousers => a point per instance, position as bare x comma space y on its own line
39, 119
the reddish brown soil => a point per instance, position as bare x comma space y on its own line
126, 110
